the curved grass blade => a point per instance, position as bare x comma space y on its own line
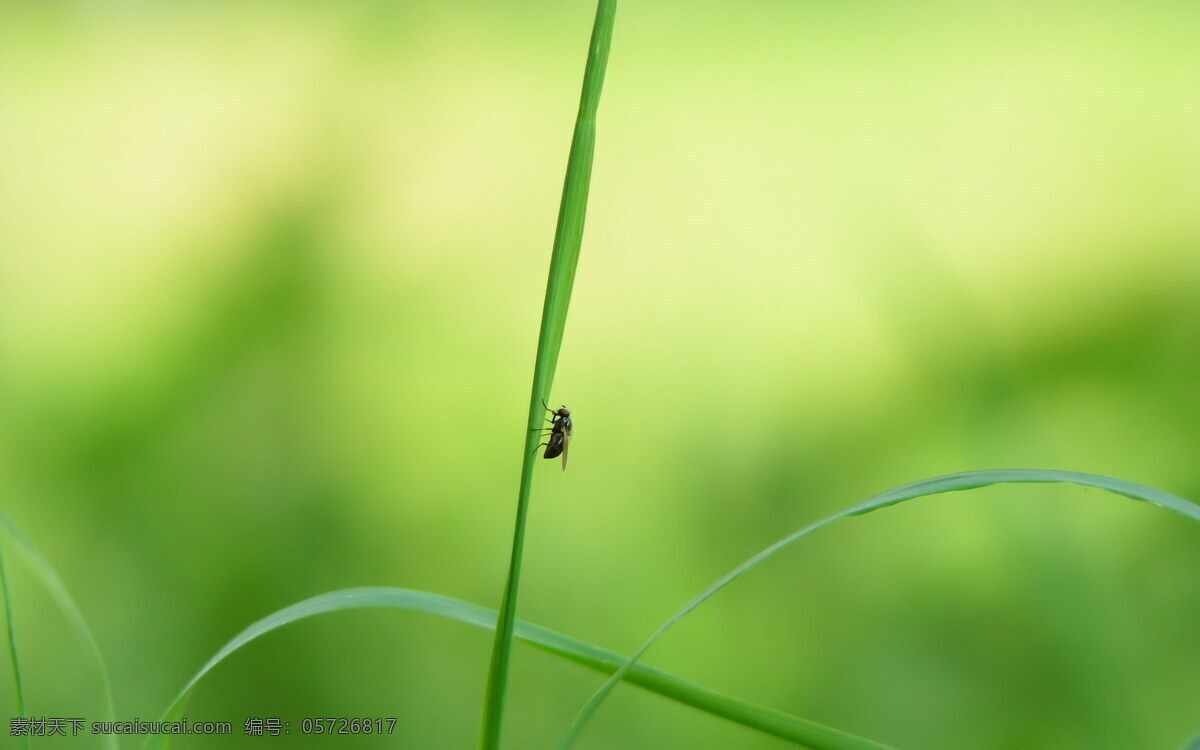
568, 237
776, 723
58, 590
949, 483
1194, 744
13, 651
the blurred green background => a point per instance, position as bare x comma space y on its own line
270, 281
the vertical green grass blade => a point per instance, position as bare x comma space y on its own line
567, 239
18, 690
936, 485
58, 590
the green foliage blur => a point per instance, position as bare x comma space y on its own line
270, 279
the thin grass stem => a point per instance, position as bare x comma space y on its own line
18, 688
568, 237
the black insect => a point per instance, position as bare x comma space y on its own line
559, 440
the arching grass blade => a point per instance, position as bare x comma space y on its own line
949, 483
58, 591
776, 723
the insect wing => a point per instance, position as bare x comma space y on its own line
566, 443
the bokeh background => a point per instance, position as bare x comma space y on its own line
270, 282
